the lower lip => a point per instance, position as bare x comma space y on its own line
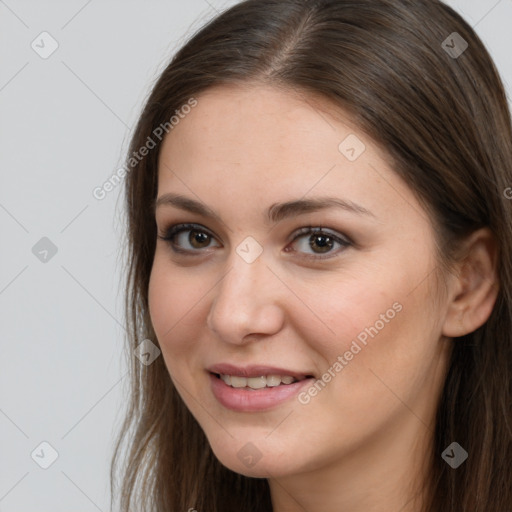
244, 400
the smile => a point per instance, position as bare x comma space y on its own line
269, 381
255, 394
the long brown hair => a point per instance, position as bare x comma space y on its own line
442, 117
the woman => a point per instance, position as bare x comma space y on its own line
320, 247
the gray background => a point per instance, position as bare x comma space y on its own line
64, 124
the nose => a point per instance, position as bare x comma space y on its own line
248, 303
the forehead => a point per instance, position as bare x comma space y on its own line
258, 126
252, 116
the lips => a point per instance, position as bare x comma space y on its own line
256, 387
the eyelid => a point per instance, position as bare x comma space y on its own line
306, 230
175, 229
343, 240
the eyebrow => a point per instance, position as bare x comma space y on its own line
275, 213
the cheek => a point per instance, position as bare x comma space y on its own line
348, 308
371, 321
174, 302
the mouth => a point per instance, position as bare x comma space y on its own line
255, 388
260, 382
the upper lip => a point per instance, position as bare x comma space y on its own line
255, 371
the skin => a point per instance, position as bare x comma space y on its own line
361, 443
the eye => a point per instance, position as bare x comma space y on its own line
188, 238
314, 242
317, 243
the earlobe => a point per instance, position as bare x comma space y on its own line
475, 289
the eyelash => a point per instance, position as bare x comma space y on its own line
171, 232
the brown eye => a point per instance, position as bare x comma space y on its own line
321, 243
316, 243
189, 238
198, 239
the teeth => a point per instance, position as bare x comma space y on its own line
238, 382
273, 380
226, 379
261, 382
257, 382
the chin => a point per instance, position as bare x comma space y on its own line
260, 470
245, 458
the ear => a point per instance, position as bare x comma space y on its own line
474, 289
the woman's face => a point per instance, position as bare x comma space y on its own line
253, 288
